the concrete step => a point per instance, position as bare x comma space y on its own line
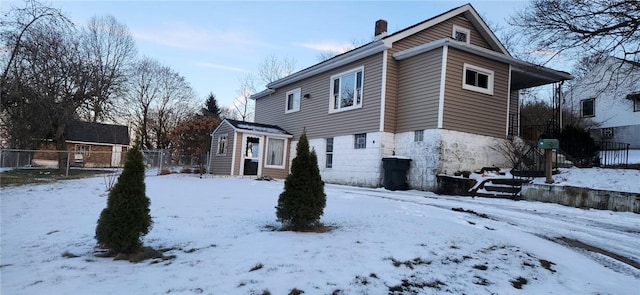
493, 194
509, 181
502, 188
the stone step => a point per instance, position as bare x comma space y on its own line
492, 194
502, 188
508, 181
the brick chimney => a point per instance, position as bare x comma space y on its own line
381, 29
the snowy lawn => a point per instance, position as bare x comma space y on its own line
219, 230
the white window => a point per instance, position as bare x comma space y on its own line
477, 79
607, 132
346, 90
329, 162
360, 141
222, 145
636, 104
461, 34
83, 149
293, 101
587, 107
418, 135
275, 153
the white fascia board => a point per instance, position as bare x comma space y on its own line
434, 21
94, 143
253, 132
443, 78
477, 20
357, 54
262, 93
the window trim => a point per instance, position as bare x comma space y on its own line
354, 71
224, 150
418, 134
355, 141
284, 153
329, 153
593, 109
297, 91
460, 29
607, 133
486, 72
85, 152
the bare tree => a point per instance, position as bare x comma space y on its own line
109, 48
588, 27
243, 105
158, 100
273, 68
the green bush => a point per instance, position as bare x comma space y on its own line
126, 218
302, 202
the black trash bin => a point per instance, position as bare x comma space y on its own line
395, 173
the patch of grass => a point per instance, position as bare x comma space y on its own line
295, 291
361, 280
518, 282
408, 287
16, 177
481, 281
67, 254
526, 263
546, 264
409, 263
373, 275
53, 232
481, 266
315, 228
165, 171
256, 267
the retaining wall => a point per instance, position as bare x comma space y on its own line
582, 197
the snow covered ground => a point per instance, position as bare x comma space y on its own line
383, 242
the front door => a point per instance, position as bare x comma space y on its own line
251, 156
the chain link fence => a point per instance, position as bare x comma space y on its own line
155, 161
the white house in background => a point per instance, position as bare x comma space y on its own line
610, 98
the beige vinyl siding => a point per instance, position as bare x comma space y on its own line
419, 89
221, 164
439, 31
436, 32
470, 111
274, 172
314, 111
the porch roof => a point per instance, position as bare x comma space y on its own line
258, 128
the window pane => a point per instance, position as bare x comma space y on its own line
636, 105
275, 152
460, 36
587, 108
418, 135
329, 145
329, 163
471, 78
360, 141
347, 90
358, 87
483, 81
290, 101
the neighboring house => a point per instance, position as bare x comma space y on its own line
609, 97
90, 145
245, 148
442, 92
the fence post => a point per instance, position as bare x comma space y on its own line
160, 162
68, 157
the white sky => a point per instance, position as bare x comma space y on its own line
214, 43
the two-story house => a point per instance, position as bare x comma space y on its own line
609, 97
441, 92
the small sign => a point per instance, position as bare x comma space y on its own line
548, 144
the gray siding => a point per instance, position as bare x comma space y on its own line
314, 111
418, 94
221, 164
470, 111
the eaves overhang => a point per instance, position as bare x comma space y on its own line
341, 60
527, 74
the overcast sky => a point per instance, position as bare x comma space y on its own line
214, 43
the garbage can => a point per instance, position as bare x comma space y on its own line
395, 173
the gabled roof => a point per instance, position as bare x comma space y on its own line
92, 132
240, 126
386, 43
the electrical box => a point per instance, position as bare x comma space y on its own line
548, 144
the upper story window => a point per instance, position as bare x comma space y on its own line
477, 79
461, 34
222, 145
293, 101
587, 107
360, 141
346, 90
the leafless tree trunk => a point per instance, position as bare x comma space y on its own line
273, 68
243, 105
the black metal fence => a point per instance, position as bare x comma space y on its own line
613, 153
